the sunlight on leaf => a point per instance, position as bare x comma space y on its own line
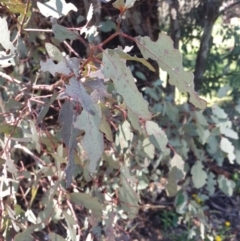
5, 36
90, 13
119, 4
116, 69
55, 8
170, 60
53, 52
15, 6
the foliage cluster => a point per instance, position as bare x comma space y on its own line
115, 149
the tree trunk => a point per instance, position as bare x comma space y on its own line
211, 10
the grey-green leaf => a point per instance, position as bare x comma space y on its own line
157, 136
227, 186
116, 69
76, 90
46, 107
61, 33
92, 141
86, 200
128, 199
170, 60
55, 237
53, 52
199, 176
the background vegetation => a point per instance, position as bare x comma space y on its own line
82, 158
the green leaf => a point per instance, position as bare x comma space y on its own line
181, 201
211, 182
140, 75
53, 52
228, 147
71, 225
69, 135
199, 176
127, 196
157, 136
12, 104
133, 118
55, 8
87, 201
15, 6
170, 60
107, 26
53, 68
55, 237
223, 91
109, 224
11, 167
148, 148
203, 134
105, 128
225, 130
200, 118
172, 188
227, 186
171, 111
178, 162
21, 49
14, 131
92, 141
76, 90
124, 55
61, 33
24, 236
219, 112
116, 69
2, 161
177, 173
46, 107
69, 170
238, 156
35, 135
125, 135
66, 120
110, 161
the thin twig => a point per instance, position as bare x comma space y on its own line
9, 78
23, 20
38, 30
71, 49
26, 150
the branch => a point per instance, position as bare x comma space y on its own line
9, 78
228, 7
